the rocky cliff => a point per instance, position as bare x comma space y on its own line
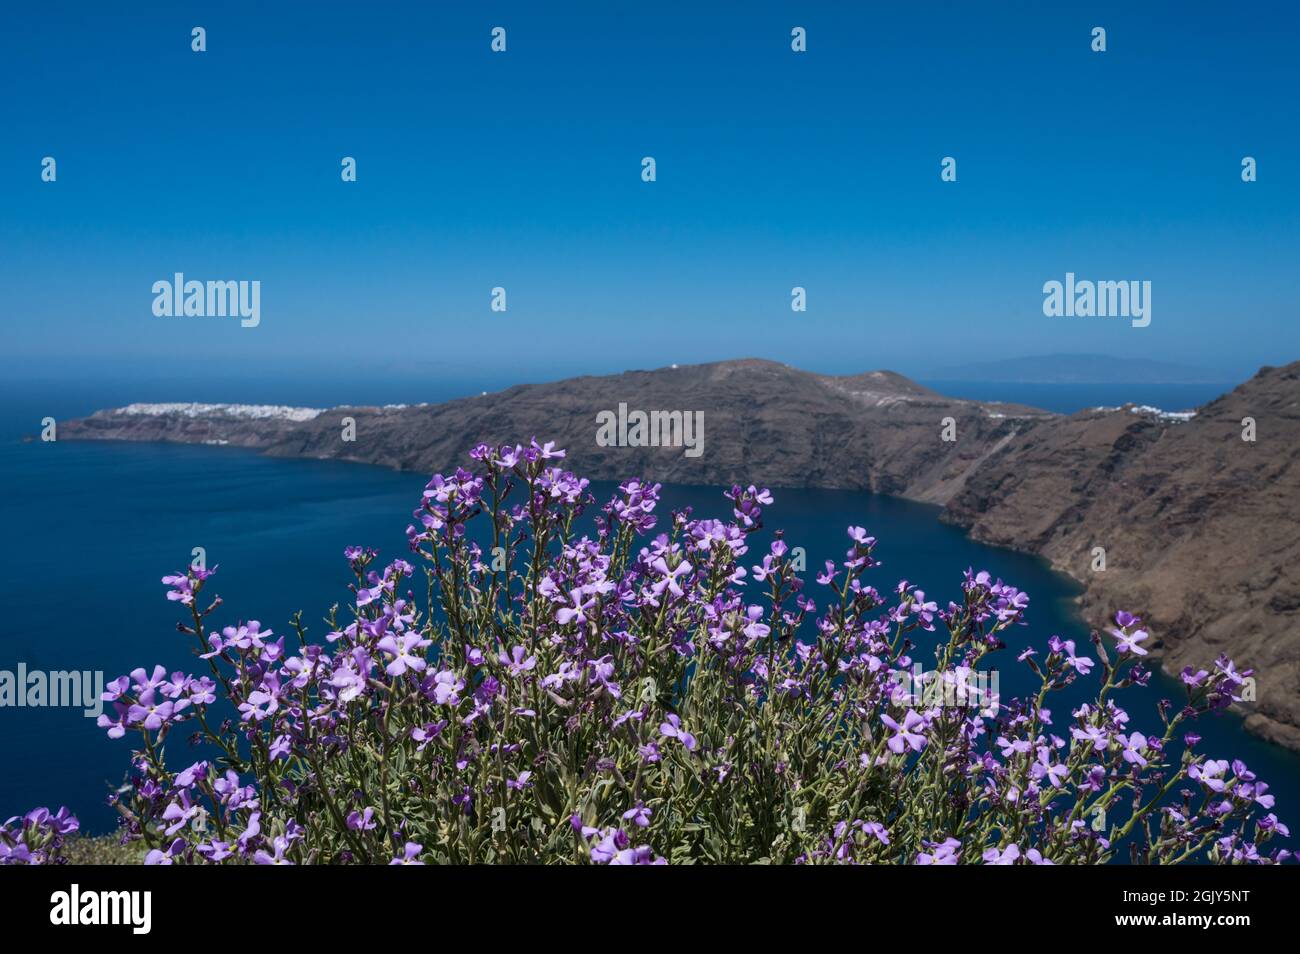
1198, 525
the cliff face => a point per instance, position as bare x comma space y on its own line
1198, 525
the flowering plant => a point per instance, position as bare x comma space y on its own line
624, 696
36, 838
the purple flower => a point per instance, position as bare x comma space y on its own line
672, 729
1094, 734
518, 662
406, 652
1128, 642
1211, 774
577, 613
280, 844
1082, 664
362, 820
905, 736
1134, 746
1044, 767
443, 687
946, 852
151, 713
215, 851
639, 815
1008, 856
410, 855
877, 830
1013, 746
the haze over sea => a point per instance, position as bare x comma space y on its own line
92, 527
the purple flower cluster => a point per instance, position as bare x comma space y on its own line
636, 695
36, 838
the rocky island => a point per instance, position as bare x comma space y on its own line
1197, 521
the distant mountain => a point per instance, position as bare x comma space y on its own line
1078, 369
763, 421
1198, 526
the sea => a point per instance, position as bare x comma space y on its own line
91, 528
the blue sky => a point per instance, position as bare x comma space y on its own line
522, 170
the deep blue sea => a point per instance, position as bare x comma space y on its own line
90, 528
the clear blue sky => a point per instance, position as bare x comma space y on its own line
523, 170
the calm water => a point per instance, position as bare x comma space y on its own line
90, 529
